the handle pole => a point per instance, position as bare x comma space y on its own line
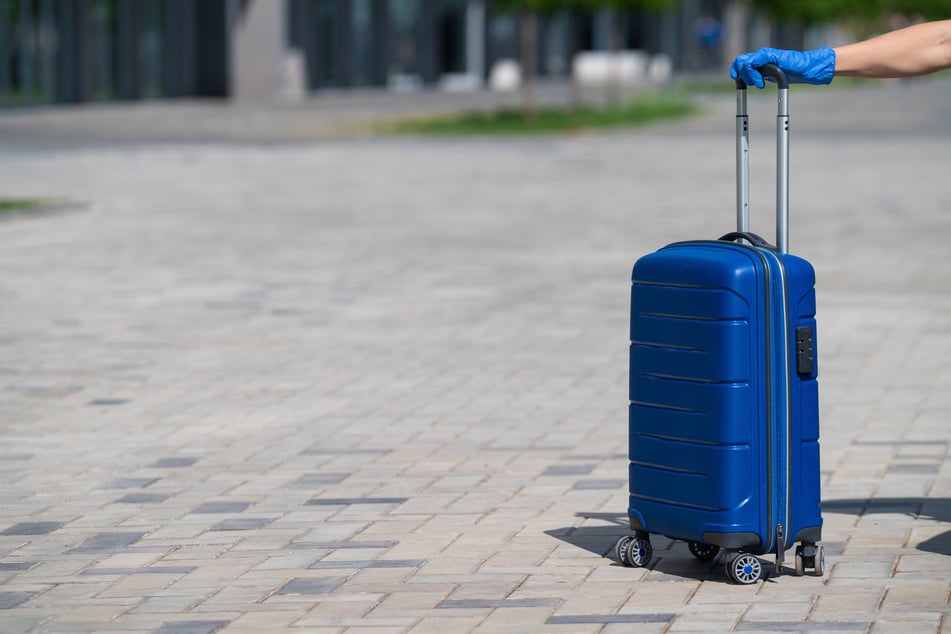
782, 172
742, 161
782, 157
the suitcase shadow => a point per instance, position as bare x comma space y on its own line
599, 532
936, 509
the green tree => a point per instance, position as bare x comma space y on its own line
528, 30
927, 9
618, 7
863, 18
818, 11
528, 43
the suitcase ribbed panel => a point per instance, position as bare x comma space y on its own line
696, 367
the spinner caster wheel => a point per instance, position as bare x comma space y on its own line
703, 552
620, 550
744, 569
820, 565
639, 552
816, 561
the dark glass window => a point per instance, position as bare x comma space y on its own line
452, 36
150, 47
326, 57
28, 47
404, 42
102, 49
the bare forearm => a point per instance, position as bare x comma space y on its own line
916, 50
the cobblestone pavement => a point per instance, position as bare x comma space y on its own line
379, 385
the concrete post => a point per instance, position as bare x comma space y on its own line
261, 67
475, 40
736, 19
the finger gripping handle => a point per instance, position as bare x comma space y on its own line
772, 71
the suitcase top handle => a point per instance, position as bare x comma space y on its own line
748, 236
782, 157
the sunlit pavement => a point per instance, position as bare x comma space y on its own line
323, 384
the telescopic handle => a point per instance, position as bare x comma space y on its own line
782, 157
772, 71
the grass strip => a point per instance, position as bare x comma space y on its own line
547, 120
20, 204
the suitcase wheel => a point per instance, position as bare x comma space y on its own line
744, 569
810, 556
820, 567
639, 552
620, 550
703, 552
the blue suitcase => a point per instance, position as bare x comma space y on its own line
724, 406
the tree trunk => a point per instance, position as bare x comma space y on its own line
736, 18
528, 45
614, 69
574, 48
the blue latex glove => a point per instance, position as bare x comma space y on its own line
801, 67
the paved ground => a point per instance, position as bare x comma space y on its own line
335, 114
379, 385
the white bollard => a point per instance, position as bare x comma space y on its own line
505, 76
660, 69
600, 68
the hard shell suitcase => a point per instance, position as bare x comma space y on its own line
724, 407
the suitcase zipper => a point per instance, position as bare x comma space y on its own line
787, 413
784, 413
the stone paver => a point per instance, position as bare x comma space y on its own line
375, 384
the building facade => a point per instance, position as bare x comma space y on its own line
72, 51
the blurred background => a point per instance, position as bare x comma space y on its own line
75, 51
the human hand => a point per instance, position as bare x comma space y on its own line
801, 67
